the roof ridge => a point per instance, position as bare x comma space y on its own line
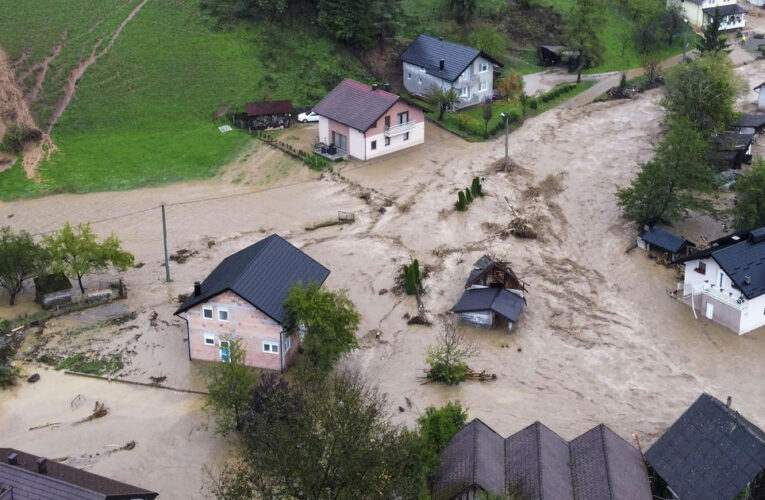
739, 418
602, 427
537, 426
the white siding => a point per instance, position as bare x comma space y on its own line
417, 81
324, 129
695, 13
356, 144
397, 142
761, 100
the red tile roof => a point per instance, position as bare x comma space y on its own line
269, 108
355, 104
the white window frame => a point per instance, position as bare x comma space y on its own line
419, 81
409, 75
482, 86
465, 92
227, 342
223, 310
287, 343
483, 67
205, 309
211, 337
271, 346
387, 141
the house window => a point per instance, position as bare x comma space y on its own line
701, 268
387, 141
484, 67
209, 339
419, 81
287, 344
465, 92
409, 75
481, 86
403, 117
272, 347
374, 145
222, 314
207, 313
224, 351
406, 136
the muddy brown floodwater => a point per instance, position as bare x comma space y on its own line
600, 341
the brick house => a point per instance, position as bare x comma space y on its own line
243, 298
365, 122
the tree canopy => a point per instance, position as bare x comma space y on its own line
322, 436
77, 252
583, 31
749, 211
330, 320
712, 39
443, 99
20, 259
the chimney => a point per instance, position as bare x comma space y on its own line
197, 289
42, 465
747, 280
728, 401
374, 87
441, 64
13, 459
386, 87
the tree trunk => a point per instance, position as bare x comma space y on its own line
13, 298
79, 280
441, 110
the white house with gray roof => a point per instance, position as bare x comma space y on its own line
700, 12
429, 62
726, 281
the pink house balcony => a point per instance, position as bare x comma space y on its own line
399, 129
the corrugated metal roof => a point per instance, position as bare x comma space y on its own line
428, 52
499, 300
61, 482
711, 452
355, 104
665, 240
268, 108
261, 274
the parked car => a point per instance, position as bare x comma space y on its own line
309, 116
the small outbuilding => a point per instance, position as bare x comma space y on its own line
656, 238
750, 123
761, 97
551, 55
53, 289
265, 115
732, 149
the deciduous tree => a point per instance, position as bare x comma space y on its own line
749, 211
437, 426
20, 259
447, 358
230, 384
462, 10
583, 31
330, 320
443, 99
77, 252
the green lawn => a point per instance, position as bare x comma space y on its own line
143, 114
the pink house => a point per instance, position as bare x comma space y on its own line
365, 122
243, 298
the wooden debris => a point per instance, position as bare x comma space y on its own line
50, 424
480, 376
522, 228
99, 410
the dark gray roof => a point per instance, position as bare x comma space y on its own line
61, 482
606, 467
499, 300
744, 263
733, 141
427, 52
537, 464
483, 262
725, 10
665, 240
474, 457
756, 121
355, 104
710, 453
261, 274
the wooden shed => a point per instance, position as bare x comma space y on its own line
53, 289
265, 115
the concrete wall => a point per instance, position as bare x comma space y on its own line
245, 322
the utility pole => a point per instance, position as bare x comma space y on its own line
507, 132
685, 36
164, 238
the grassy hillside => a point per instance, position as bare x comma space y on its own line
143, 113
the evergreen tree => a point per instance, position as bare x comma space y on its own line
712, 41
468, 196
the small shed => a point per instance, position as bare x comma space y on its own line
761, 97
732, 149
750, 123
482, 306
551, 55
653, 237
53, 289
265, 115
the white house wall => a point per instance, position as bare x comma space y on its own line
356, 144
695, 13
324, 129
417, 81
397, 142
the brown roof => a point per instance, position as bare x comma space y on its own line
355, 104
47, 485
269, 108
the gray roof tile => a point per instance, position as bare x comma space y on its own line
665, 240
499, 300
744, 263
427, 52
355, 104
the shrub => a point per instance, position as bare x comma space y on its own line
16, 136
450, 374
468, 196
461, 204
533, 104
476, 187
411, 277
463, 121
762, 49
439, 425
8, 372
759, 36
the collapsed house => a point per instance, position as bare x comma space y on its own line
536, 463
710, 453
492, 293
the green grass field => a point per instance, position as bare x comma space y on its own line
143, 113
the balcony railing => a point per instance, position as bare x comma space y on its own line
731, 297
399, 129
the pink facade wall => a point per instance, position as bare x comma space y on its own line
336, 127
415, 115
245, 322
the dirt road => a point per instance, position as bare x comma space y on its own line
600, 340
